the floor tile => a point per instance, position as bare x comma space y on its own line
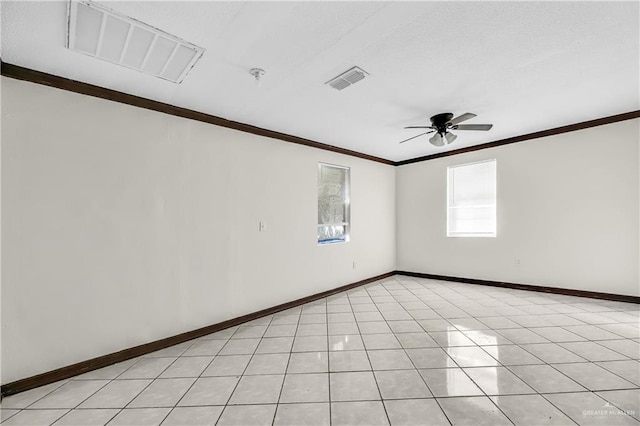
416, 340
471, 356
353, 386
140, 417
162, 393
530, 321
310, 344
341, 317
531, 410
94, 417
209, 391
147, 368
415, 412
511, 355
468, 324
557, 334
6, 413
239, 347
188, 366
630, 331
406, 326
591, 332
339, 308
586, 408
71, 394
193, 416
368, 316
286, 319
346, 342
281, 330
451, 338
316, 414
207, 347
107, 373
116, 394
487, 337
630, 369
267, 364
314, 329
257, 390
341, 328
363, 413
399, 384
35, 417
305, 388
498, 381
625, 347
449, 382
380, 341
248, 332
473, 410
552, 353
308, 362
544, 378
497, 323
349, 361
313, 319
227, 365
374, 327
430, 358
25, 399
593, 377
593, 352
274, 345
436, 325
625, 400
521, 336
392, 359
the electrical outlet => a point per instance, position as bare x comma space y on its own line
354, 264
517, 261
262, 226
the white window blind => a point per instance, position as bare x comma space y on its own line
471, 206
333, 204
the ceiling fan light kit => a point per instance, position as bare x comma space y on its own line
442, 123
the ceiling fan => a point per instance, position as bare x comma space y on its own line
442, 123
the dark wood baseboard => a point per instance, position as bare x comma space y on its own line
136, 351
529, 287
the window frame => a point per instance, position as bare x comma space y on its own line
449, 207
347, 207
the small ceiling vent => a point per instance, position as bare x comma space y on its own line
103, 33
347, 78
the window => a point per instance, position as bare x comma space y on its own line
471, 205
333, 204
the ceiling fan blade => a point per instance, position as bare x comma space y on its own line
450, 137
464, 117
419, 127
437, 140
473, 126
413, 137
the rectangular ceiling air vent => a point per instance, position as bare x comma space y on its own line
347, 78
103, 33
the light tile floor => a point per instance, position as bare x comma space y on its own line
399, 351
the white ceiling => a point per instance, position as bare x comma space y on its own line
523, 66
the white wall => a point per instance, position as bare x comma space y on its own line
567, 208
122, 226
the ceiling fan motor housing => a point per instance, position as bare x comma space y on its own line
440, 121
